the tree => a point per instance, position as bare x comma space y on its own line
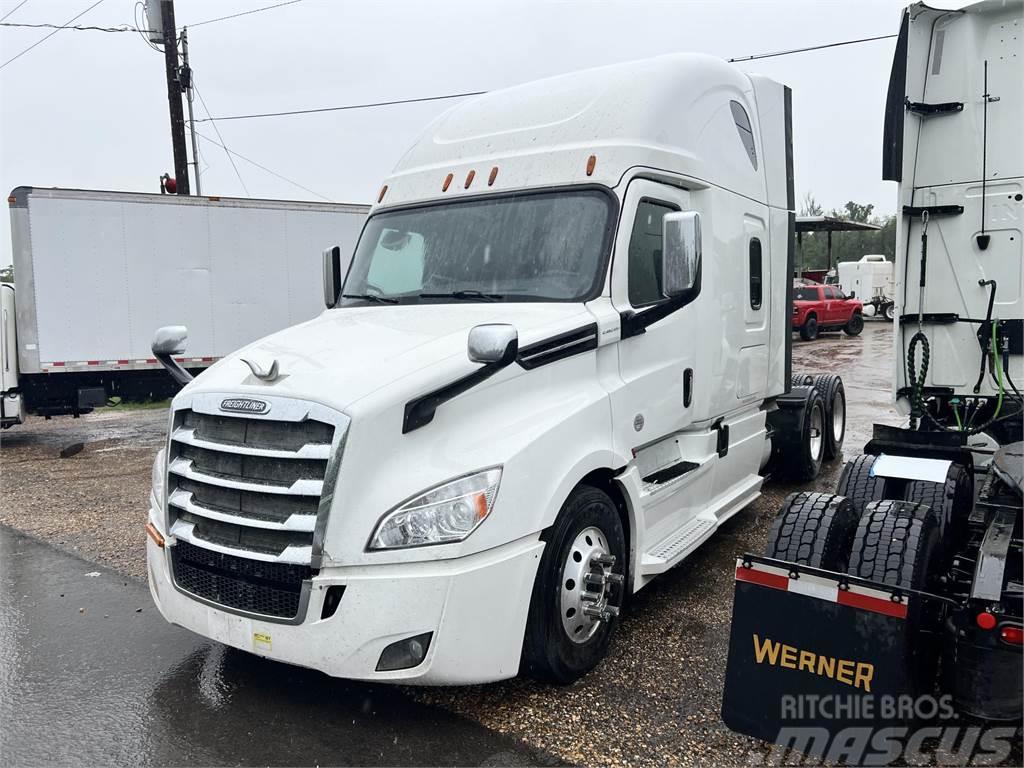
846, 246
811, 207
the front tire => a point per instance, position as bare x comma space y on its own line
855, 326
563, 642
809, 330
889, 312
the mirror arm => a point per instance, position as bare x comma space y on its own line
178, 373
420, 411
634, 323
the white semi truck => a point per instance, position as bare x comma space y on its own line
91, 273
558, 362
898, 601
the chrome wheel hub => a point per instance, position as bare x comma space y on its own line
587, 584
838, 416
816, 433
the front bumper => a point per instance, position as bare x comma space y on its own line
475, 606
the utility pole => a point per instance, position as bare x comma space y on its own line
186, 77
174, 96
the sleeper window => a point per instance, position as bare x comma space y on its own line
645, 253
739, 116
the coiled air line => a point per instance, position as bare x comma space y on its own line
916, 377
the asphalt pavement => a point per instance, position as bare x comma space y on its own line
90, 674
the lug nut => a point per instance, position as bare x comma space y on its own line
603, 560
615, 578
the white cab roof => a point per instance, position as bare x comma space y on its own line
670, 113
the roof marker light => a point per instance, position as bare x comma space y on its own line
383, 191
469, 178
591, 162
493, 176
447, 182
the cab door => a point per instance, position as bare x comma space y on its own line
660, 381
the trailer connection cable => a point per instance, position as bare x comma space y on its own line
916, 382
999, 369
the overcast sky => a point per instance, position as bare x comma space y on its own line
89, 109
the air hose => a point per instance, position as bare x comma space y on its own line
917, 375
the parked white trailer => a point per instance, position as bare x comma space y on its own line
871, 280
555, 367
96, 272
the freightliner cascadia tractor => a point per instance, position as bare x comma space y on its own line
905, 586
558, 362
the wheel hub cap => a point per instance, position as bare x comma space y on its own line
838, 417
816, 433
587, 584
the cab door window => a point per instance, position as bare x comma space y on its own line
645, 252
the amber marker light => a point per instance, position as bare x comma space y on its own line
492, 177
383, 191
447, 182
469, 178
591, 162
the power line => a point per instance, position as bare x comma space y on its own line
347, 106
372, 105
811, 48
227, 151
47, 37
13, 9
76, 27
263, 168
243, 13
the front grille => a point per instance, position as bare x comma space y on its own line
253, 586
243, 501
248, 484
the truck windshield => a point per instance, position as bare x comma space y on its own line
549, 246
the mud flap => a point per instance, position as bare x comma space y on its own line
812, 649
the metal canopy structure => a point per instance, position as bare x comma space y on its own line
828, 224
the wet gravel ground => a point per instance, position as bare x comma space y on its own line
93, 503
654, 701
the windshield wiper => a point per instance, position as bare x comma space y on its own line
370, 297
466, 295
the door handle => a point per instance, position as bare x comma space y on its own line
687, 387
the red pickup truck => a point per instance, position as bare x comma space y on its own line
825, 308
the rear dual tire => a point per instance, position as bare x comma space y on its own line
814, 529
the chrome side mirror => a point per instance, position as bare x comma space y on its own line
493, 343
332, 275
168, 341
680, 252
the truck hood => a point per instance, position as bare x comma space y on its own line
346, 354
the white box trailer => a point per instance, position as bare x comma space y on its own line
97, 272
871, 280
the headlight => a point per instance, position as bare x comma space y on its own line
446, 513
159, 478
